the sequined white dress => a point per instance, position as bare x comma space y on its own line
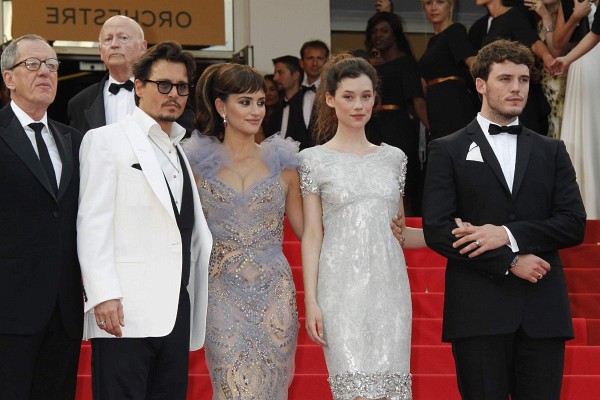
252, 322
363, 288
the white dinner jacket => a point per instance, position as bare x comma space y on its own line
128, 241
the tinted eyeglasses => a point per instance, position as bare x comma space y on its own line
33, 64
165, 87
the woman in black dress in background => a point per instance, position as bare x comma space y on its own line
445, 69
402, 104
513, 23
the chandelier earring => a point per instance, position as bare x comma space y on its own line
224, 122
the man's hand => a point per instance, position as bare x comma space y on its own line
531, 268
110, 317
478, 239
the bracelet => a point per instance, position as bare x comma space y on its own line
514, 262
548, 29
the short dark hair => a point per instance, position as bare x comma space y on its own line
314, 44
499, 51
170, 51
292, 63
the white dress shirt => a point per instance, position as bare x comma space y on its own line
165, 150
25, 120
116, 106
309, 100
504, 146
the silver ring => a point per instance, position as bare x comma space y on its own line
477, 243
540, 276
101, 324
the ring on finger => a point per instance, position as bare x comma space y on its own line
540, 276
102, 324
477, 243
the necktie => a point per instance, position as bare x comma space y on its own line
312, 88
114, 88
513, 129
44, 155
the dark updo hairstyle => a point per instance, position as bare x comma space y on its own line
337, 68
217, 82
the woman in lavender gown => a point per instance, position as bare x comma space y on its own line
252, 321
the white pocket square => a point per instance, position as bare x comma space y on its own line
474, 153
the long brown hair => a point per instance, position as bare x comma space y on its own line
337, 68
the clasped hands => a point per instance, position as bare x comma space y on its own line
109, 316
476, 240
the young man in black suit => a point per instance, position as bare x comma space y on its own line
41, 302
506, 309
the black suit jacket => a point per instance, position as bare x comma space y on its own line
544, 213
296, 128
38, 245
86, 109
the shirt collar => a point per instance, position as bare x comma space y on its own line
484, 123
149, 125
25, 119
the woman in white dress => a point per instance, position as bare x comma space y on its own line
581, 120
357, 296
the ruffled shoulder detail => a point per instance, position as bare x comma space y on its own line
206, 154
279, 153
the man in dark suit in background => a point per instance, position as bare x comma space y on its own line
41, 305
288, 74
121, 44
506, 308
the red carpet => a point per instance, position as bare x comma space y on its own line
432, 364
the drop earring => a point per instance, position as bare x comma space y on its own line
224, 122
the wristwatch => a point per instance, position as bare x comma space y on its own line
514, 262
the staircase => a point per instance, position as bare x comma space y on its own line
432, 364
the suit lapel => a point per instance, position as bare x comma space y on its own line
65, 150
95, 115
477, 135
15, 137
150, 166
524, 147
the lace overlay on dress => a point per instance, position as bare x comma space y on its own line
252, 320
362, 287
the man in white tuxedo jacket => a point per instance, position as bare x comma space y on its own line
143, 240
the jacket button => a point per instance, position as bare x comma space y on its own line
55, 214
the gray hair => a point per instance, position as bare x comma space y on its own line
10, 54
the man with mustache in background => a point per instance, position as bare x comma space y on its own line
143, 241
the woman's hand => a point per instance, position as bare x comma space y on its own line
314, 323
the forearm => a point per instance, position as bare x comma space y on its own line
421, 110
311, 250
414, 238
586, 44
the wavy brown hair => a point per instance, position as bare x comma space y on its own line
217, 82
337, 68
499, 51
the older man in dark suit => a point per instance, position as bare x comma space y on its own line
41, 305
121, 44
506, 309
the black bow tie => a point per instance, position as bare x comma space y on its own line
513, 129
312, 88
115, 87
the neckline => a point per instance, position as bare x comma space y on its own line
376, 151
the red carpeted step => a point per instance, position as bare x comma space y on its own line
580, 387
593, 332
426, 279
583, 280
582, 256
309, 387
427, 305
293, 254
435, 387
585, 305
592, 231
